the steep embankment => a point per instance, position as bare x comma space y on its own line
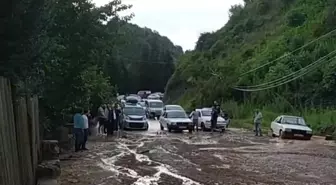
257, 33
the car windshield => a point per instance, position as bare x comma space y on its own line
173, 107
156, 104
137, 111
294, 121
176, 114
206, 112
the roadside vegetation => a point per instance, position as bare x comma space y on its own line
258, 32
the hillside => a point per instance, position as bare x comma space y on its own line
148, 58
257, 33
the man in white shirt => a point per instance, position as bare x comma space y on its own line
195, 116
86, 129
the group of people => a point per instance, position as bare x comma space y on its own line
109, 118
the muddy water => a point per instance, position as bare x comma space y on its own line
157, 157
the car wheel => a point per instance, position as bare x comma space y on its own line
169, 129
273, 135
162, 128
282, 134
307, 137
190, 130
223, 130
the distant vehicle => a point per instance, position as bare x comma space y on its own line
144, 93
290, 126
175, 120
159, 94
120, 97
134, 117
154, 108
142, 104
204, 119
133, 98
154, 97
172, 107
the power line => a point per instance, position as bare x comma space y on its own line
312, 65
305, 45
279, 84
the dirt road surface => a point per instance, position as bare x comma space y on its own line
236, 157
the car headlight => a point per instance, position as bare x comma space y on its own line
288, 130
207, 121
127, 118
309, 132
144, 118
172, 123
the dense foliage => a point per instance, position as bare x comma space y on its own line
74, 54
258, 32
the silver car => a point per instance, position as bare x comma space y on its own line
154, 108
175, 120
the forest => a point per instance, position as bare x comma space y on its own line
73, 54
262, 42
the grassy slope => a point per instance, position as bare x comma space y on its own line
259, 32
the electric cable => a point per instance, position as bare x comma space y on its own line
279, 84
312, 65
305, 45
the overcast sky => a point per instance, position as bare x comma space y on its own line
181, 21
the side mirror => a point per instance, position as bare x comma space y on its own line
308, 125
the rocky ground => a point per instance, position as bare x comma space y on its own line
236, 157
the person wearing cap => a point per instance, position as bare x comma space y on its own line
257, 122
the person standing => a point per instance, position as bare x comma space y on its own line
102, 117
257, 122
109, 124
85, 116
78, 129
214, 116
195, 116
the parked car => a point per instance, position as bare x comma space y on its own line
142, 104
134, 117
154, 108
144, 93
154, 97
204, 119
172, 107
290, 126
175, 120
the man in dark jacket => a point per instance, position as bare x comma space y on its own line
214, 115
115, 116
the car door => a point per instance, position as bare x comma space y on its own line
276, 125
161, 119
165, 120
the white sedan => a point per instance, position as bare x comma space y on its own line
204, 119
175, 120
290, 126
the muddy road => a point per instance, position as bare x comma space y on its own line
236, 157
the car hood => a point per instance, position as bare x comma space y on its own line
179, 120
135, 116
297, 127
208, 118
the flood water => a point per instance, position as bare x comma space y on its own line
155, 157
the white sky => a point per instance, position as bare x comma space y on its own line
182, 21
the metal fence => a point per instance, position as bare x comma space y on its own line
19, 137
